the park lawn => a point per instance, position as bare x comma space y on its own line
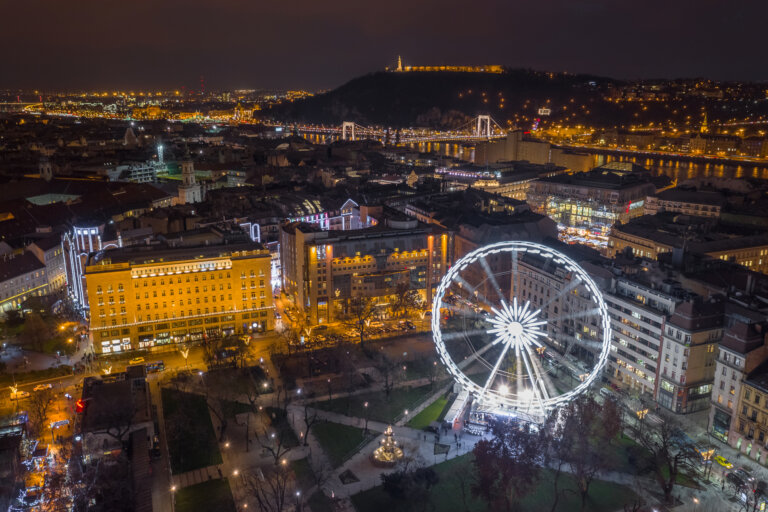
210, 496
232, 408
319, 502
302, 470
192, 442
435, 411
447, 495
683, 479
621, 460
379, 408
339, 442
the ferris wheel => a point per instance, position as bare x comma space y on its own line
521, 327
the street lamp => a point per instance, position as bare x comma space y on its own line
365, 408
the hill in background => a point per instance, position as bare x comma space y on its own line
450, 100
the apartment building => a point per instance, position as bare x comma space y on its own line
323, 270
688, 352
148, 297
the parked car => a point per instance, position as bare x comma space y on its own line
41, 387
136, 360
19, 395
723, 462
744, 474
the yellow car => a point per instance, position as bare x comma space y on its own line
723, 462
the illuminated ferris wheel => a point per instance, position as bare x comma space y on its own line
521, 327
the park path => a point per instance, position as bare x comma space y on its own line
420, 446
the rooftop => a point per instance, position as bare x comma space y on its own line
16, 266
605, 177
687, 195
149, 254
114, 404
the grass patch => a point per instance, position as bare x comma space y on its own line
210, 496
682, 479
447, 494
435, 411
339, 442
302, 470
230, 408
622, 455
191, 439
319, 502
379, 408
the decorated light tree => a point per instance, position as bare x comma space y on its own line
388, 453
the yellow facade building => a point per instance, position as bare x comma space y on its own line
146, 298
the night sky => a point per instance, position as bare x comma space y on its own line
321, 44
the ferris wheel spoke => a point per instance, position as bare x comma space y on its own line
572, 341
464, 311
494, 370
542, 377
491, 277
578, 314
473, 290
478, 354
463, 334
533, 374
573, 284
513, 288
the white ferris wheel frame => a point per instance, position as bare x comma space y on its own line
490, 398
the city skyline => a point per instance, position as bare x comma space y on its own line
311, 46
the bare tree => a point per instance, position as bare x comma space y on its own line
270, 487
556, 446
274, 443
664, 454
321, 470
310, 418
461, 479
210, 348
39, 405
360, 312
506, 466
386, 367
589, 433
405, 299
35, 332
116, 422
104, 486
435, 370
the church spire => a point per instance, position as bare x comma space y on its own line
399, 63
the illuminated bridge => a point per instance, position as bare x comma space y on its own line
481, 128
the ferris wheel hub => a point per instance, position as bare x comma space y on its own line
515, 329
